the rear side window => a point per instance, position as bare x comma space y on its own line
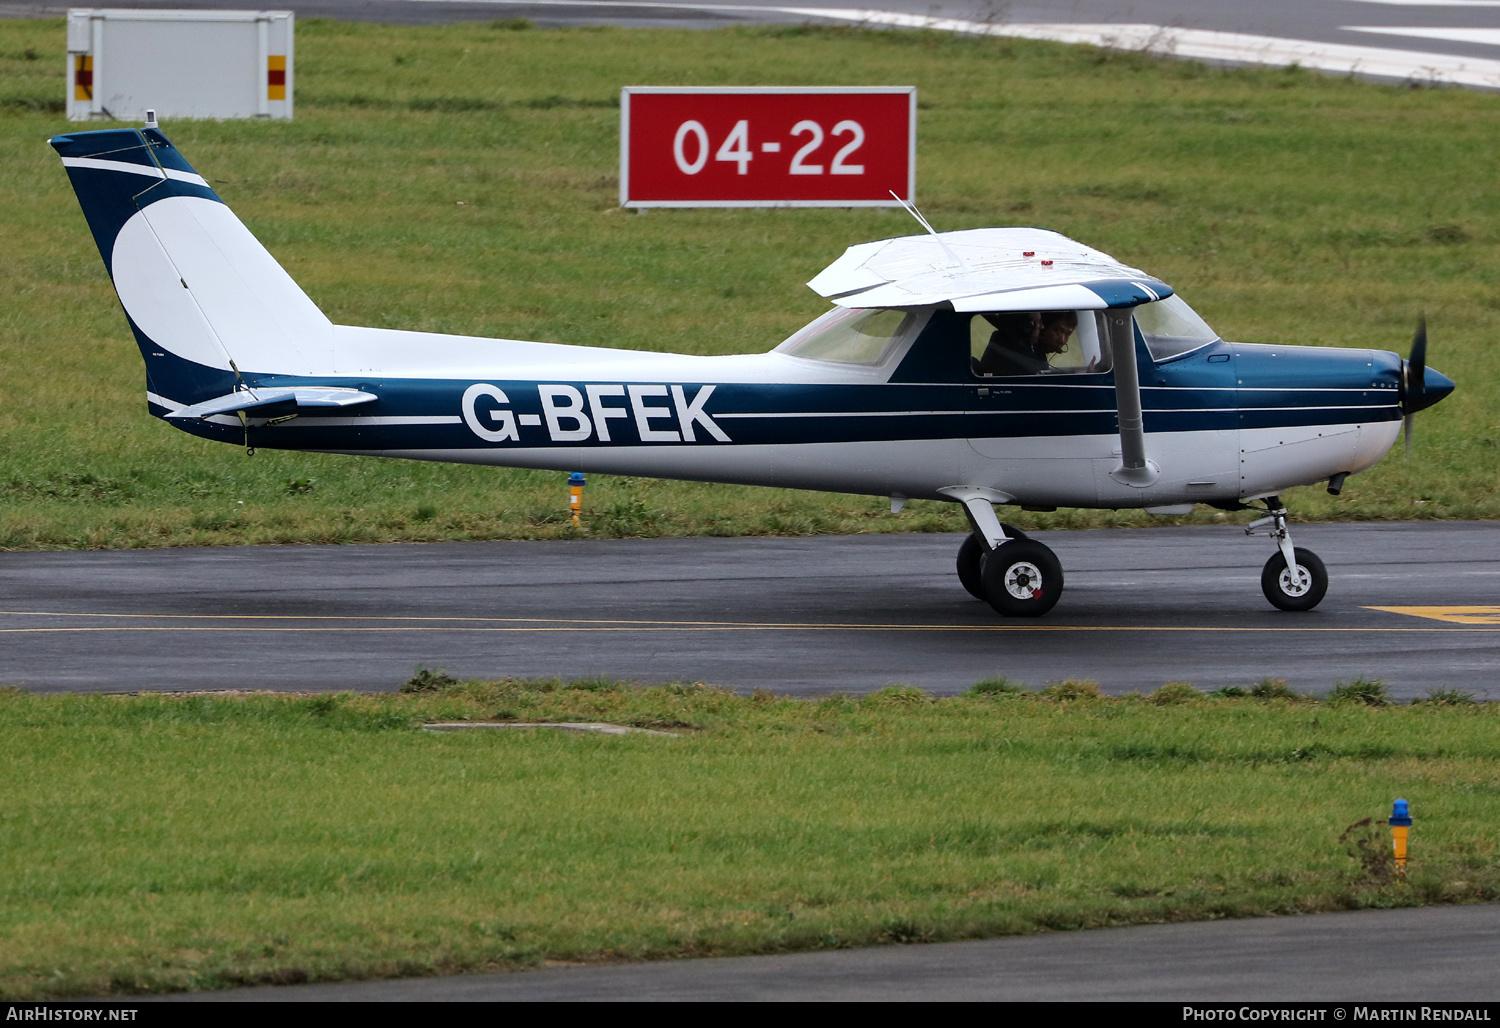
852, 336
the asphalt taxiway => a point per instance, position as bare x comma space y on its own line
1415, 604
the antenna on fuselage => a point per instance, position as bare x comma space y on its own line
912, 210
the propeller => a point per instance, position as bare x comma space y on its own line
1414, 381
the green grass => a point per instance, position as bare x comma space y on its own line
159, 843
463, 179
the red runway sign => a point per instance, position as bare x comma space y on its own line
769, 146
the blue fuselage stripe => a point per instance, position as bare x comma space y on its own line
760, 414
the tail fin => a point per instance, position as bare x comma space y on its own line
202, 295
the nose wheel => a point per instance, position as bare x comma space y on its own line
1294, 578
1299, 587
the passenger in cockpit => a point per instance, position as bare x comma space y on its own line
1012, 348
1023, 343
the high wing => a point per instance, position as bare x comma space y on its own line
985, 269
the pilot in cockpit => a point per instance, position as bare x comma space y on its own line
1023, 342
1057, 328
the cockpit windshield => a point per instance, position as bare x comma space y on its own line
1170, 327
847, 336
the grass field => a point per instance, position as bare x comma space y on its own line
164, 843
463, 179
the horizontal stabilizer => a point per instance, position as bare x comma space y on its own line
302, 396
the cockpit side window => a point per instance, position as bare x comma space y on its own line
1170, 327
847, 336
1010, 343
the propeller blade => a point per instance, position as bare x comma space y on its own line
1415, 392
1414, 376
1418, 360
1408, 423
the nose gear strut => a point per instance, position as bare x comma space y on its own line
1294, 578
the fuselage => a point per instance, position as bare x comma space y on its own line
1225, 422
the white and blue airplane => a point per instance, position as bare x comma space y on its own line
989, 367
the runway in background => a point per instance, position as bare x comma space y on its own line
1453, 42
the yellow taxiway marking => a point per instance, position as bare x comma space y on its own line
1454, 615
301, 623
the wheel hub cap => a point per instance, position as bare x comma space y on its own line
1298, 584
1023, 580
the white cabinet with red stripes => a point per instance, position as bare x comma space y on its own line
181, 64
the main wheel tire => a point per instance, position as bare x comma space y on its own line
1304, 591
971, 561
1022, 579
971, 566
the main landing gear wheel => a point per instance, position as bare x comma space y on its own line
1022, 579
971, 561
1302, 590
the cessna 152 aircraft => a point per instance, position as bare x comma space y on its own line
985, 367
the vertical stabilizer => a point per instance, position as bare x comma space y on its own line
199, 289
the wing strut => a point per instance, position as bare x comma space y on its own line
1135, 469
